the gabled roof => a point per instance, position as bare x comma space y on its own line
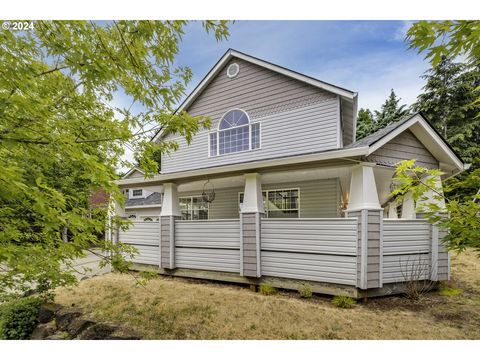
423, 130
131, 171
231, 53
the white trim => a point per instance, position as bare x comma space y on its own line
299, 159
143, 206
418, 119
292, 74
131, 171
236, 73
233, 109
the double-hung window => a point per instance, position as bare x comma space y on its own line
280, 203
235, 133
193, 208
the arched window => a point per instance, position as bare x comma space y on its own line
235, 133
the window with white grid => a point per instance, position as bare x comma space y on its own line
235, 134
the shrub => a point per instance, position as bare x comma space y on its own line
305, 291
266, 289
18, 318
344, 302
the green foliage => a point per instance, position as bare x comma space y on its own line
61, 138
344, 302
448, 102
305, 291
365, 123
18, 318
448, 38
463, 220
266, 289
390, 112
448, 291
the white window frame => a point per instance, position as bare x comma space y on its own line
217, 133
191, 209
266, 191
136, 196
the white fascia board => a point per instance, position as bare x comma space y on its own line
418, 119
329, 155
143, 206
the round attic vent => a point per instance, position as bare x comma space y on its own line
233, 70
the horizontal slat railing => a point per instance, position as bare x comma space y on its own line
322, 250
145, 236
208, 245
407, 246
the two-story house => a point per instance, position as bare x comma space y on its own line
278, 190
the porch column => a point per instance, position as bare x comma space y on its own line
169, 213
364, 205
408, 206
440, 258
392, 210
250, 221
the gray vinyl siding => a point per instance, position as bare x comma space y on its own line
208, 245
404, 147
443, 267
318, 199
347, 121
311, 249
295, 118
406, 253
145, 237
374, 248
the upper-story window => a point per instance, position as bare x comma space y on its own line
235, 133
137, 193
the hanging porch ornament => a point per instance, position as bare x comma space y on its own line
208, 194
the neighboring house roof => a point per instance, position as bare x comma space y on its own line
231, 53
131, 171
154, 199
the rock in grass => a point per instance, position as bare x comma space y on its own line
65, 317
97, 332
46, 313
78, 325
43, 331
62, 335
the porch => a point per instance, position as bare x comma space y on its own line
326, 229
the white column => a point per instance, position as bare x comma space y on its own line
170, 204
433, 197
408, 206
363, 189
392, 210
252, 196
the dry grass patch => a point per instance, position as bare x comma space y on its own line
174, 308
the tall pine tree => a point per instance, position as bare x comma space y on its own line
390, 112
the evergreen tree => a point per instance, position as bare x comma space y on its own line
448, 102
390, 111
365, 123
